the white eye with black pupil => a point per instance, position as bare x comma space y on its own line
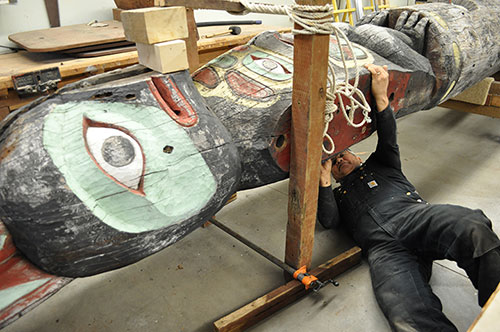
117, 153
270, 66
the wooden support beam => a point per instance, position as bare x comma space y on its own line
492, 111
308, 108
192, 41
227, 5
273, 301
52, 8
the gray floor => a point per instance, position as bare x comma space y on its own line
450, 157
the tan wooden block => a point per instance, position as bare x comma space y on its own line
164, 57
117, 12
155, 25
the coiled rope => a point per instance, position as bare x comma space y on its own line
319, 20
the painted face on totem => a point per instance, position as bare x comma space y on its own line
133, 166
249, 89
102, 177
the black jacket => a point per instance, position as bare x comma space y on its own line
377, 190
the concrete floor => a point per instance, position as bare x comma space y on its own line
450, 156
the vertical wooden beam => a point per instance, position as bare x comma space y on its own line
308, 108
52, 8
192, 41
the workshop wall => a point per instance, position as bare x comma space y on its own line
31, 15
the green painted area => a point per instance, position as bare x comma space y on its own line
2, 240
177, 185
224, 61
278, 74
12, 294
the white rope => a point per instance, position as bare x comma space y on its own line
319, 20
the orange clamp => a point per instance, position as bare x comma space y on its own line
305, 278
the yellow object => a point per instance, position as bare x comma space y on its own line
164, 57
348, 10
155, 25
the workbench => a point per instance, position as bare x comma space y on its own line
72, 69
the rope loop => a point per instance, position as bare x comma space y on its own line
319, 20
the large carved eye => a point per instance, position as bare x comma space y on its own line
270, 65
117, 153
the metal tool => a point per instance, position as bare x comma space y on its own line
234, 30
308, 280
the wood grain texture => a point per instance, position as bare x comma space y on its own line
308, 107
71, 36
52, 8
155, 25
228, 5
491, 111
279, 298
192, 41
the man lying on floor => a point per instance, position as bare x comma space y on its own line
400, 233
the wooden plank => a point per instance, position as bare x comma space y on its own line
4, 111
492, 111
228, 5
13, 101
71, 36
117, 14
25, 62
308, 108
487, 320
165, 57
52, 8
155, 25
192, 41
273, 301
247, 33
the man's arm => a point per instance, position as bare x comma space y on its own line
387, 151
328, 212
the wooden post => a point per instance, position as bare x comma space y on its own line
192, 41
308, 108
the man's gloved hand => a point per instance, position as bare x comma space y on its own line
414, 27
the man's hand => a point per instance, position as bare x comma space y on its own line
325, 178
380, 83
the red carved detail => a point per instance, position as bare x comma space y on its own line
207, 76
339, 130
246, 87
173, 101
15, 270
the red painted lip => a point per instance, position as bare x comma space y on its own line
172, 101
246, 87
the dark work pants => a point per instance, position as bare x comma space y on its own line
401, 261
